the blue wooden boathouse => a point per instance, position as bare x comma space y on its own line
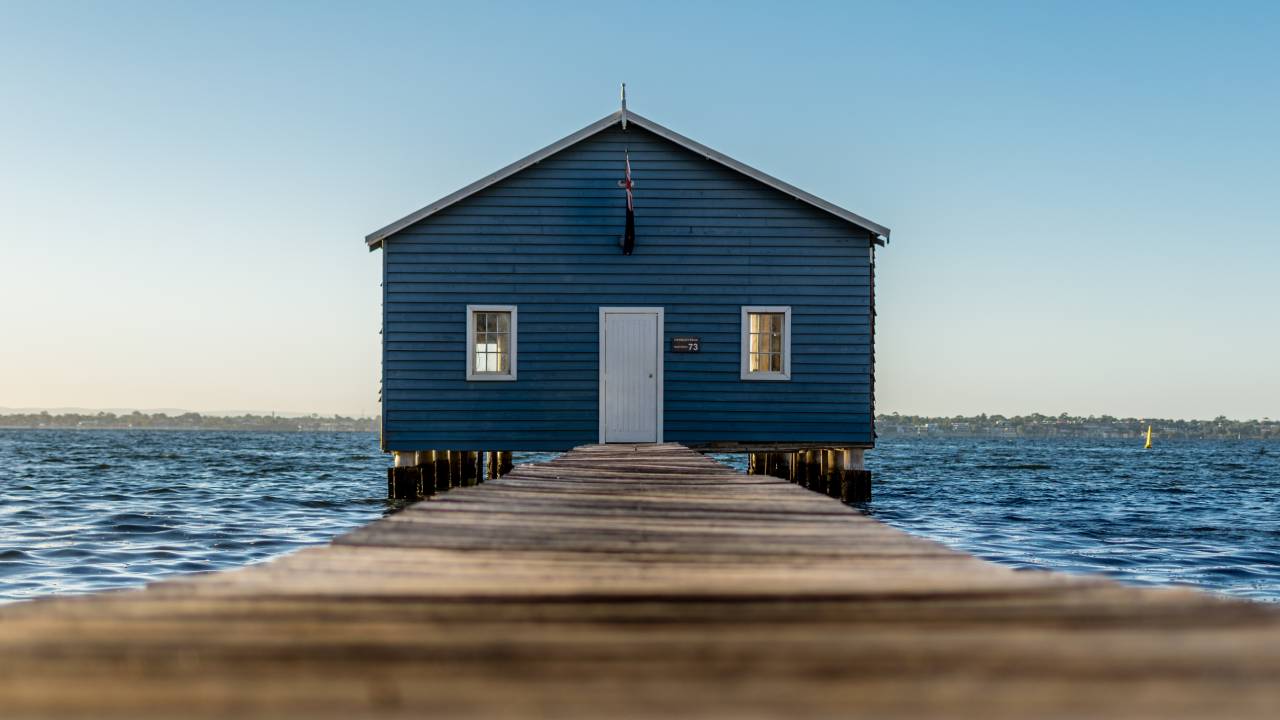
742, 319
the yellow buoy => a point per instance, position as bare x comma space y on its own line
1148, 445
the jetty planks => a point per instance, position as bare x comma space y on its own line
637, 581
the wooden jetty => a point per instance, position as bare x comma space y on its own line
637, 581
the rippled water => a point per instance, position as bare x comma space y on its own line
91, 510
1202, 513
88, 510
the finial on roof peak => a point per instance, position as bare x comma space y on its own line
624, 106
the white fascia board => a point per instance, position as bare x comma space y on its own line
880, 233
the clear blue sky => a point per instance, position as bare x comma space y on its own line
1085, 197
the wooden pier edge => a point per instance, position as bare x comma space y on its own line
637, 581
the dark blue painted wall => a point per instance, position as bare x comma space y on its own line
708, 242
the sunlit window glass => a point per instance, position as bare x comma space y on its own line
491, 346
765, 342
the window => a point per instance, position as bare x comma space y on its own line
766, 343
491, 342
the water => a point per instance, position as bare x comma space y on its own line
91, 510
1201, 513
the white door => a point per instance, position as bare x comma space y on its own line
630, 374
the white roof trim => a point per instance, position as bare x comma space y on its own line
374, 239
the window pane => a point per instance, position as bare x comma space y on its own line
766, 342
491, 343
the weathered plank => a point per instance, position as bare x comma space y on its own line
624, 581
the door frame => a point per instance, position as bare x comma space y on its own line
661, 333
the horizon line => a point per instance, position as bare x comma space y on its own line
171, 412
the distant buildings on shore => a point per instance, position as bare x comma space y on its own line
1066, 426
888, 426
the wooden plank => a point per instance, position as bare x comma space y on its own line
637, 581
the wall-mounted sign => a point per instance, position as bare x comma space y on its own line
685, 344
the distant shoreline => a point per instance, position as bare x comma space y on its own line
186, 421
1104, 427
187, 429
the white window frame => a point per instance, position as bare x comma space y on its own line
471, 338
745, 351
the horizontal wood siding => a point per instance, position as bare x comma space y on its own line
708, 242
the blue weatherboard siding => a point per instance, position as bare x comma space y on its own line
709, 241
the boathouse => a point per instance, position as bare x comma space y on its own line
628, 284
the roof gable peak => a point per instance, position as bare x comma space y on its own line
375, 239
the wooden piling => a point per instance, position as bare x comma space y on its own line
769, 462
467, 473
834, 485
855, 480
405, 483
781, 468
441, 463
491, 465
505, 462
812, 469
393, 483
820, 459
427, 464
857, 486
455, 468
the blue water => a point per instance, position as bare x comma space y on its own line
1199, 513
91, 510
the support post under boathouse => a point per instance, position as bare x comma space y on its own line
626, 284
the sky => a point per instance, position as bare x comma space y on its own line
1084, 197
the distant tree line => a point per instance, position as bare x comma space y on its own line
189, 421
1034, 425
1064, 425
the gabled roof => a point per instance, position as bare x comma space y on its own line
374, 239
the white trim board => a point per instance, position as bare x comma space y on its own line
472, 375
744, 348
374, 239
661, 350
